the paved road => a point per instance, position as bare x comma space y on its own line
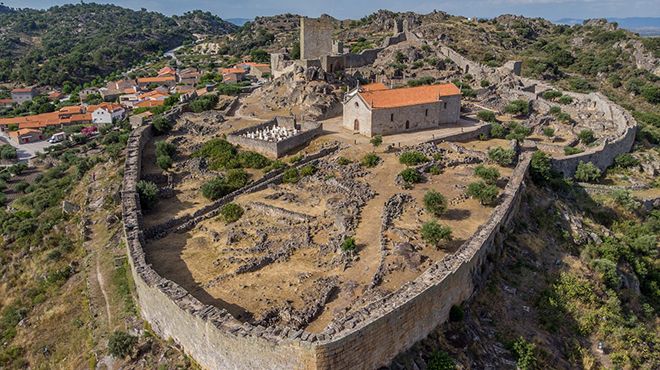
25, 151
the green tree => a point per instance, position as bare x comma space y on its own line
502, 156
540, 167
231, 212
121, 344
260, 56
586, 136
148, 192
412, 158
497, 131
370, 160
433, 233
376, 141
517, 107
161, 124
435, 202
587, 172
348, 245
411, 176
488, 174
291, 176
487, 115
485, 193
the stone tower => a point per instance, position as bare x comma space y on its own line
315, 37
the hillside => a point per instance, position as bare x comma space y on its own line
77, 43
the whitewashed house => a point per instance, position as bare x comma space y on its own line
107, 113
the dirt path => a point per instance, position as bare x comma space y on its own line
101, 282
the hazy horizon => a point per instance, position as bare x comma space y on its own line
354, 9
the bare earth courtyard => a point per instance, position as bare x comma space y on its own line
281, 262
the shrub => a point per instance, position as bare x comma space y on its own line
517, 107
412, 158
434, 233
486, 115
525, 354
121, 344
554, 110
161, 124
551, 94
296, 158
275, 165
231, 212
17, 169
8, 152
626, 160
370, 160
220, 154
565, 99
485, 193
3, 185
540, 167
440, 360
411, 176
549, 131
488, 174
484, 83
307, 170
564, 117
502, 156
148, 192
221, 186
517, 132
204, 103
164, 162
165, 148
587, 172
570, 150
497, 131
250, 159
625, 199
435, 202
376, 141
349, 245
586, 137
343, 161
291, 176
456, 313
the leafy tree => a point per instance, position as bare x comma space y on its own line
223, 185
348, 245
376, 141
586, 136
549, 131
204, 103
435, 202
8, 152
231, 212
121, 344
308, 170
440, 360
587, 172
497, 131
486, 115
525, 354
370, 160
488, 174
518, 132
411, 176
295, 50
161, 124
485, 193
517, 107
540, 167
434, 233
291, 176
260, 56
412, 158
502, 156
148, 192
626, 160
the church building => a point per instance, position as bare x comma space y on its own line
375, 109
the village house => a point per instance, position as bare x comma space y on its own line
167, 71
71, 115
26, 136
189, 76
6, 103
257, 70
55, 96
106, 113
138, 120
377, 110
145, 82
233, 75
21, 95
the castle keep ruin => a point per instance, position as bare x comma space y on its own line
315, 37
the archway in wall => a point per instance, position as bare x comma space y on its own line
407, 125
356, 125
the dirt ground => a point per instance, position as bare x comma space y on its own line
207, 260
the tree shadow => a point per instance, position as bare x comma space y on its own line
457, 214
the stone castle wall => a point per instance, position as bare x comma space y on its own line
366, 339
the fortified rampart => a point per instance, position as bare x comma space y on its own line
367, 339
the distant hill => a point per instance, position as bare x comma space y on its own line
239, 21
645, 26
78, 43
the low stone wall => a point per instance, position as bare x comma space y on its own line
464, 136
308, 131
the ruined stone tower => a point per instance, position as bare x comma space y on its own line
315, 37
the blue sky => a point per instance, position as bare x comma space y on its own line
550, 9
